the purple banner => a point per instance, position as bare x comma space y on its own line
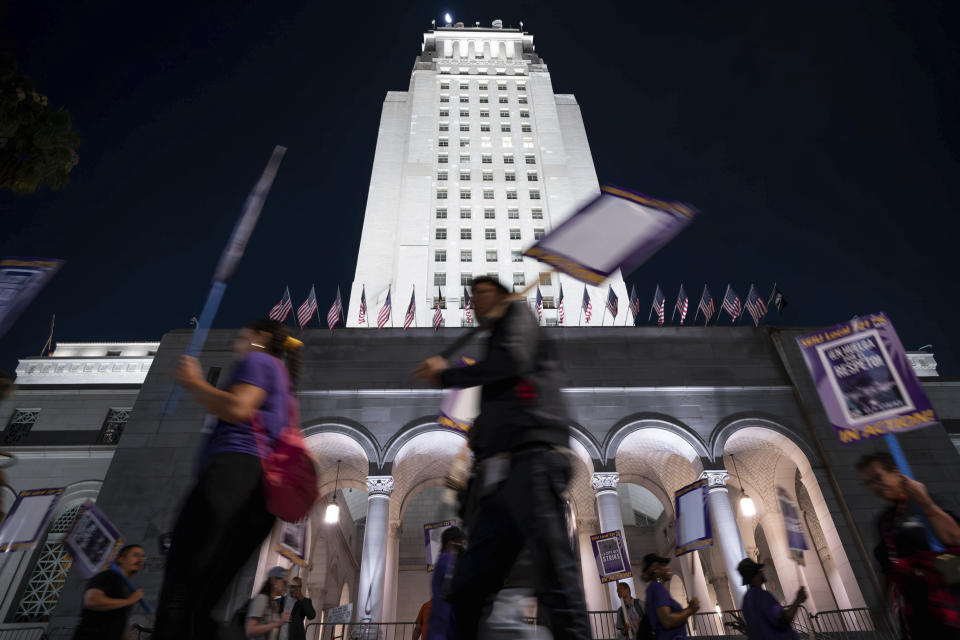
611, 556
432, 535
796, 540
864, 379
693, 517
92, 541
28, 518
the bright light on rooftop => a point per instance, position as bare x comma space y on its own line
447, 18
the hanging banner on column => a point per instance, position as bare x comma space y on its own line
432, 535
339, 615
460, 406
796, 540
293, 541
20, 281
864, 379
693, 518
28, 518
92, 541
611, 556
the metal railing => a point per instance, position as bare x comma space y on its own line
359, 631
855, 624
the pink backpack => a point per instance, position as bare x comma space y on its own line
290, 482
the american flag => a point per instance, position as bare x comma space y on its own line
634, 303
333, 316
438, 314
539, 305
706, 305
683, 303
731, 304
307, 309
467, 306
385, 311
755, 305
659, 304
283, 308
613, 302
411, 310
586, 306
560, 306
363, 306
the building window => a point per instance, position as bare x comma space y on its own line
522, 99
515, 255
466, 278
501, 86
484, 113
441, 214
442, 158
530, 158
532, 176
444, 113
465, 158
439, 302
484, 100
464, 99
488, 194
441, 175
484, 127
440, 279
526, 128
440, 255
544, 279
489, 214
503, 100
548, 302
504, 113
486, 158
511, 194
536, 214
464, 86
488, 176
465, 214
485, 142
445, 86
464, 113
443, 142
466, 234
444, 126
491, 255
464, 142
113, 425
441, 194
537, 234
524, 114
534, 194
465, 176
20, 424
441, 234
513, 214
505, 128
465, 194
510, 176
490, 234
519, 280
514, 234
42, 592
444, 99
521, 86
466, 255
483, 85
464, 126
508, 158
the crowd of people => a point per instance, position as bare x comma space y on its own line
512, 510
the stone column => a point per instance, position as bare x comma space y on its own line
725, 530
390, 592
694, 582
593, 590
608, 511
373, 562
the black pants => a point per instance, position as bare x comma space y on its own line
221, 524
527, 508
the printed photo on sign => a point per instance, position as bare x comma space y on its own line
92, 541
293, 541
433, 540
860, 376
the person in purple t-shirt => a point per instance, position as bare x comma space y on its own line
667, 617
765, 618
224, 518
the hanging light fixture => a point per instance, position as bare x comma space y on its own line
747, 508
332, 514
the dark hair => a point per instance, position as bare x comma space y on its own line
882, 458
267, 590
624, 585
124, 550
278, 346
491, 281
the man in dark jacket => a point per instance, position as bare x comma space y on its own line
302, 608
519, 443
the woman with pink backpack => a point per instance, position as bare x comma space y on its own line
253, 467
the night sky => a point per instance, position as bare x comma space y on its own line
819, 139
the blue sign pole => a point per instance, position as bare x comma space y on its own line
901, 459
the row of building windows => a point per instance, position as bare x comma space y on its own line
486, 158
465, 194
466, 279
509, 176
484, 113
483, 99
464, 85
455, 302
466, 255
490, 213
488, 234
22, 421
483, 71
485, 127
485, 142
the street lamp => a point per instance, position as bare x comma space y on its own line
332, 514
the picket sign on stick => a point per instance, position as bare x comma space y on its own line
232, 253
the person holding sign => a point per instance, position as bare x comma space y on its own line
766, 619
108, 598
667, 617
929, 606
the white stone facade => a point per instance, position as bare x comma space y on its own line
477, 159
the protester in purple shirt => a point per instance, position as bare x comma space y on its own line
668, 617
224, 518
765, 618
443, 625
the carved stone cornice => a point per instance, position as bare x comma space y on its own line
716, 478
379, 486
605, 481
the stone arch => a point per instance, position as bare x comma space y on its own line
734, 422
419, 461
649, 420
347, 427
415, 428
586, 439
